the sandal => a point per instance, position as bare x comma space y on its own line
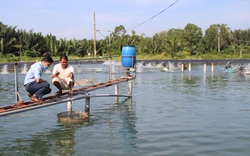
58, 93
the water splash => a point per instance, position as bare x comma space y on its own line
247, 70
5, 69
114, 65
173, 68
147, 67
247, 67
139, 67
24, 70
113, 62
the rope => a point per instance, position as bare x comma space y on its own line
18, 94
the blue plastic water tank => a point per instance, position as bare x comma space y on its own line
128, 56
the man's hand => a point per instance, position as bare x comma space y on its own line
71, 75
55, 75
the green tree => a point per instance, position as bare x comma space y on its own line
192, 38
174, 41
51, 44
217, 37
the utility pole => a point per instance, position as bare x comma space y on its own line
94, 36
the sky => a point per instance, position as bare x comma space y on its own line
74, 19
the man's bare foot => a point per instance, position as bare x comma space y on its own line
58, 93
36, 99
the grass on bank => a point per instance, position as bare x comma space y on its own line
138, 57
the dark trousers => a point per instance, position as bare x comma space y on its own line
39, 89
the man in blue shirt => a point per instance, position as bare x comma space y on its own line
33, 82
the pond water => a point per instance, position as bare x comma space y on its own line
188, 113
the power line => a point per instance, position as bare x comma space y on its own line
154, 15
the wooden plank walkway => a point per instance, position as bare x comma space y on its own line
53, 100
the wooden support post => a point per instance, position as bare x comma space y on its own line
116, 93
205, 67
212, 67
189, 67
16, 83
87, 105
110, 68
130, 87
69, 105
182, 67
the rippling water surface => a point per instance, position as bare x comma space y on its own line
171, 113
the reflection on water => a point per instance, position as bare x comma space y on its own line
60, 140
114, 122
170, 113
